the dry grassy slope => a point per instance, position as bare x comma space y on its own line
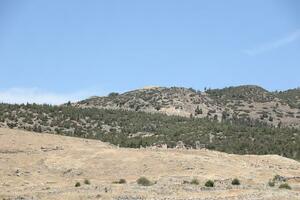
43, 166
243, 102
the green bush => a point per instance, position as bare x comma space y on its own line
285, 186
235, 182
270, 119
198, 111
87, 182
209, 183
144, 181
77, 184
113, 94
195, 182
121, 181
271, 183
277, 178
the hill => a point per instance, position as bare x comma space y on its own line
242, 102
291, 97
134, 129
47, 166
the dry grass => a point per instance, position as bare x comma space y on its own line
28, 171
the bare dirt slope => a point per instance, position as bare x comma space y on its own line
44, 166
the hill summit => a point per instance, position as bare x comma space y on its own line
246, 102
241, 120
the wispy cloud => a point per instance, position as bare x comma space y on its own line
275, 44
35, 95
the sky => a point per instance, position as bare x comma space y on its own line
60, 50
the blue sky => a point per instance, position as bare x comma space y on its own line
59, 50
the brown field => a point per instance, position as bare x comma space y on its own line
44, 166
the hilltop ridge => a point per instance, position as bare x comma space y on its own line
247, 101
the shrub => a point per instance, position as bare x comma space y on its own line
278, 178
209, 183
77, 184
271, 183
87, 182
121, 181
270, 119
198, 111
195, 182
235, 182
113, 94
285, 186
144, 181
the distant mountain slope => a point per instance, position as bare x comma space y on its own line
250, 102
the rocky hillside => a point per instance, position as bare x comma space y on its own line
246, 102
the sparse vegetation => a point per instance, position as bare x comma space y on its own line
144, 181
271, 183
285, 186
278, 178
270, 118
87, 182
235, 182
121, 181
113, 94
170, 167
77, 184
247, 92
209, 183
195, 181
291, 97
198, 111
